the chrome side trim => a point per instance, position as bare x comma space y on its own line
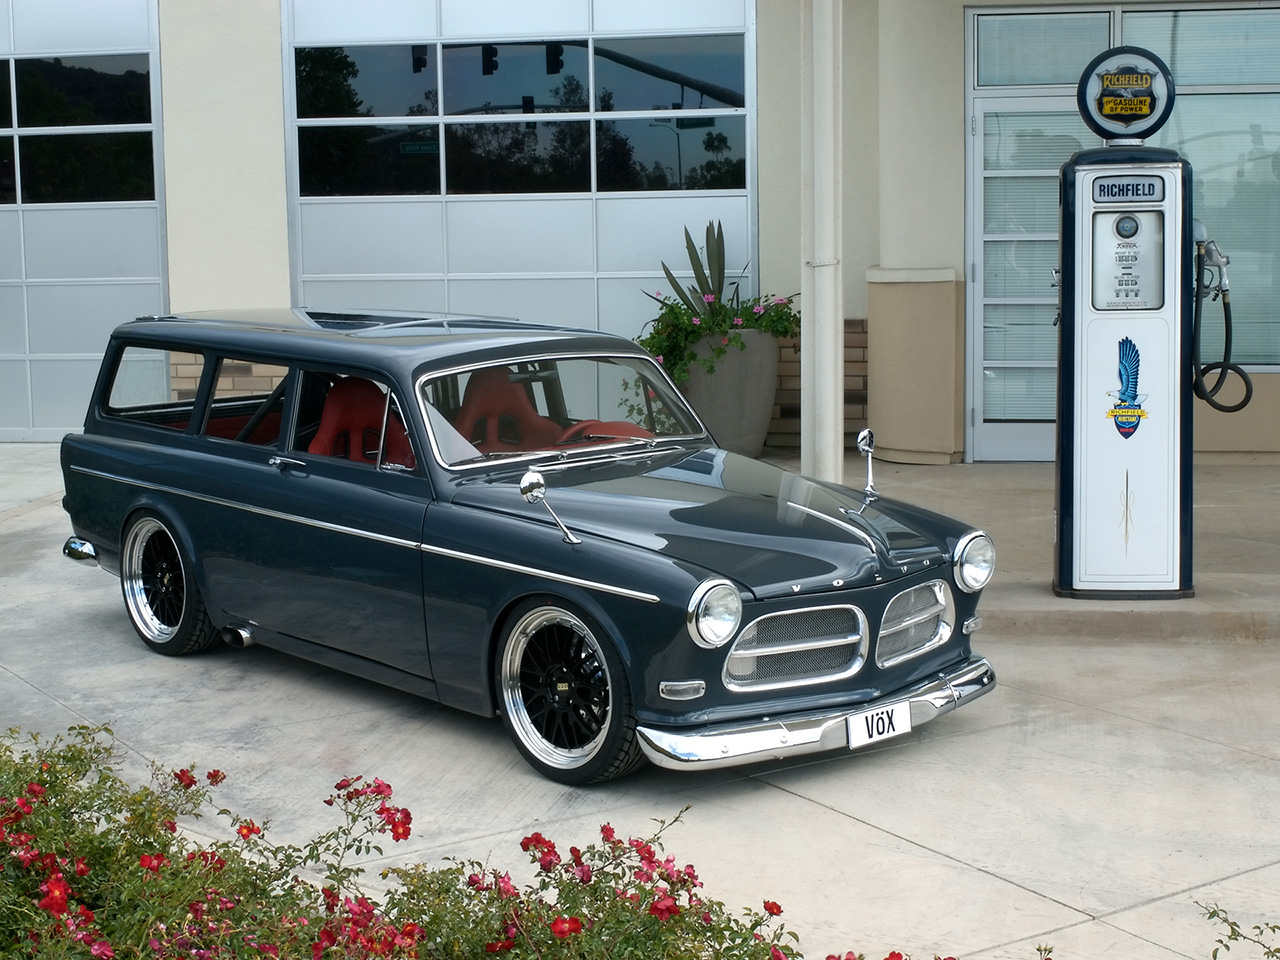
545, 574
80, 550
377, 537
752, 741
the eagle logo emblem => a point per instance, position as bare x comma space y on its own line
1126, 412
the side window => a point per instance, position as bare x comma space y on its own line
155, 386
248, 402
351, 418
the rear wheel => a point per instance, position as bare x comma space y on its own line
564, 695
160, 593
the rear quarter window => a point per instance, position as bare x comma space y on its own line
156, 386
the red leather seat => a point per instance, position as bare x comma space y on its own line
497, 414
351, 425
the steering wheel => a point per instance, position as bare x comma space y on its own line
576, 430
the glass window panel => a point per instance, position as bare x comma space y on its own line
516, 78
1233, 144
248, 402
672, 153
8, 182
87, 167
6, 105
514, 157
1210, 46
1019, 331
74, 91
1020, 394
1018, 268
362, 161
670, 73
155, 386
1033, 141
1039, 48
396, 81
1020, 205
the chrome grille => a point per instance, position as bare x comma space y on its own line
797, 647
916, 620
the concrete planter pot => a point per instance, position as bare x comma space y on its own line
736, 402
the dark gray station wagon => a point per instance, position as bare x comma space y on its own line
513, 519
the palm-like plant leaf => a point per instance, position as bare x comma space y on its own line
715, 259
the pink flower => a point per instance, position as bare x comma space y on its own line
708, 298
776, 954
697, 322
665, 907
102, 949
737, 321
780, 301
758, 308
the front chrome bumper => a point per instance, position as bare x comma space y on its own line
730, 744
81, 550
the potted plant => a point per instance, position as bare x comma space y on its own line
703, 330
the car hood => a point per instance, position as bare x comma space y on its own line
773, 531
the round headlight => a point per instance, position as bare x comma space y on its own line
975, 562
715, 612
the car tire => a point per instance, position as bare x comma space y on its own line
564, 696
160, 592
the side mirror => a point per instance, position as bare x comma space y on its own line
867, 446
534, 489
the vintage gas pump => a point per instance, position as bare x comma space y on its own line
1125, 344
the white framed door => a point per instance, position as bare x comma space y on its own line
1016, 149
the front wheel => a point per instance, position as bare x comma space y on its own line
564, 695
160, 592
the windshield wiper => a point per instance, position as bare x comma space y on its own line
589, 437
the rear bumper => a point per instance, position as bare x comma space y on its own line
731, 744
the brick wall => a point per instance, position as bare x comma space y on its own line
784, 428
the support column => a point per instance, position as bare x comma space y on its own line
822, 287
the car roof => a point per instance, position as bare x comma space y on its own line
403, 342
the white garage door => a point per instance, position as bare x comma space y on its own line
80, 205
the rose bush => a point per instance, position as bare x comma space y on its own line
92, 867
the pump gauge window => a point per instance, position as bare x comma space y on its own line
1127, 227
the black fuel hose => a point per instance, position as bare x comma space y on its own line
1224, 367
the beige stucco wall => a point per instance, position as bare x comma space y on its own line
224, 154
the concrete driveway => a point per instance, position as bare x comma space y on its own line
1114, 776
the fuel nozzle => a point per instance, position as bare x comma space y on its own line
1214, 258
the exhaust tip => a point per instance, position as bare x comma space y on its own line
239, 637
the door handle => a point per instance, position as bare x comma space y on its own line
285, 463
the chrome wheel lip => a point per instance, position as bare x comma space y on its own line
513, 703
133, 578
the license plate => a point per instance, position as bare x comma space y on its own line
881, 723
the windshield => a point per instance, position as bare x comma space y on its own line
554, 404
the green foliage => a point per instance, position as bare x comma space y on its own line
91, 867
703, 313
1260, 935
